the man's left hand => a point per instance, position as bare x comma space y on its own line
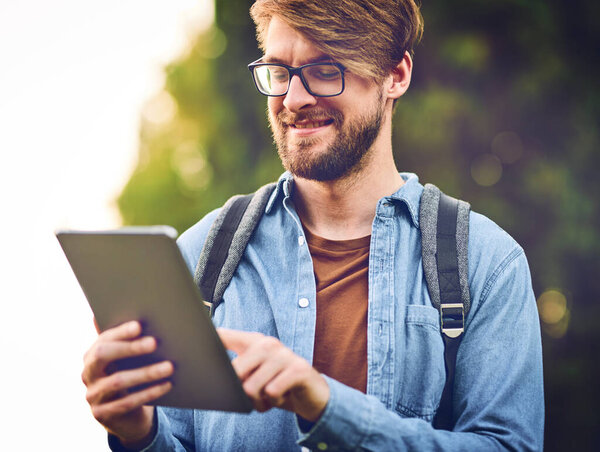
274, 376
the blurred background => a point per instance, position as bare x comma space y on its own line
503, 111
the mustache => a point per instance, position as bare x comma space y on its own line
287, 117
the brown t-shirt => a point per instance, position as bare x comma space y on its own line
341, 273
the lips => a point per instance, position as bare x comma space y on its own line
313, 124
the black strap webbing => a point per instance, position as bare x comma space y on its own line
450, 293
447, 257
220, 248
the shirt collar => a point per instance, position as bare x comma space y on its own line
284, 187
409, 193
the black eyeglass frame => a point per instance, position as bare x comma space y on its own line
297, 71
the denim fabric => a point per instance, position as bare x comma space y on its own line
498, 394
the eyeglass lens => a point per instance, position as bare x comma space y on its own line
322, 79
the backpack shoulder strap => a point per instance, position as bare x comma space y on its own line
444, 223
226, 242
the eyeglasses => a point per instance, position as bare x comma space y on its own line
319, 79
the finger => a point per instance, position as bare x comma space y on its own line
277, 402
124, 331
103, 353
261, 405
255, 355
237, 341
301, 389
285, 381
107, 411
256, 382
113, 386
244, 365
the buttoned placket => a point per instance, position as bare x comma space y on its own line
381, 332
305, 302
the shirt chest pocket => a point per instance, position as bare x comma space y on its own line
421, 367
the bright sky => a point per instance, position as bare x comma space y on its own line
74, 76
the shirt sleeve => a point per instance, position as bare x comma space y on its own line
174, 432
498, 396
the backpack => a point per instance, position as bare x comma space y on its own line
444, 224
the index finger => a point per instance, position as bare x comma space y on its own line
237, 341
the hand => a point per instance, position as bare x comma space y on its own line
273, 376
123, 414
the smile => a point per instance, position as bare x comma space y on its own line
311, 124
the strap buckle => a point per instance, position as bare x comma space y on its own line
208, 305
452, 319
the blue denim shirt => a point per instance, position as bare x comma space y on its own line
498, 397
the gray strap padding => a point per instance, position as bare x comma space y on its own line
251, 217
428, 214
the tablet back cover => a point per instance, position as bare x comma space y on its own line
139, 274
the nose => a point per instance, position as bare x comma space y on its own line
297, 96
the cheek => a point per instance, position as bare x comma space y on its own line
274, 104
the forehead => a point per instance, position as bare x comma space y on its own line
287, 45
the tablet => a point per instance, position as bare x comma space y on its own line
138, 273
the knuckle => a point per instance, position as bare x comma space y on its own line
284, 353
270, 343
136, 347
272, 391
251, 391
143, 345
99, 414
157, 391
97, 353
125, 405
299, 367
90, 396
116, 382
302, 367
150, 373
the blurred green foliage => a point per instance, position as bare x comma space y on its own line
503, 111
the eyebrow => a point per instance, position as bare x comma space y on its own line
275, 60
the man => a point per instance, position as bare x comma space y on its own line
337, 342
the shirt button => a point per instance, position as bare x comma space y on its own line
303, 302
301, 240
322, 446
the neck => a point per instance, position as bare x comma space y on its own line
344, 208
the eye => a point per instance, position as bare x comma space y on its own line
324, 72
278, 74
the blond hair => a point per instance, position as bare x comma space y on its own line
369, 37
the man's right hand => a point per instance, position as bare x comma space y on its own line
124, 414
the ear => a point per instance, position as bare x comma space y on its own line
399, 79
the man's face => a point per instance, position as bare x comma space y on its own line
320, 138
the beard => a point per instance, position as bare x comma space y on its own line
346, 155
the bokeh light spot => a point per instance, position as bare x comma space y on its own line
555, 315
486, 170
161, 109
552, 306
190, 164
